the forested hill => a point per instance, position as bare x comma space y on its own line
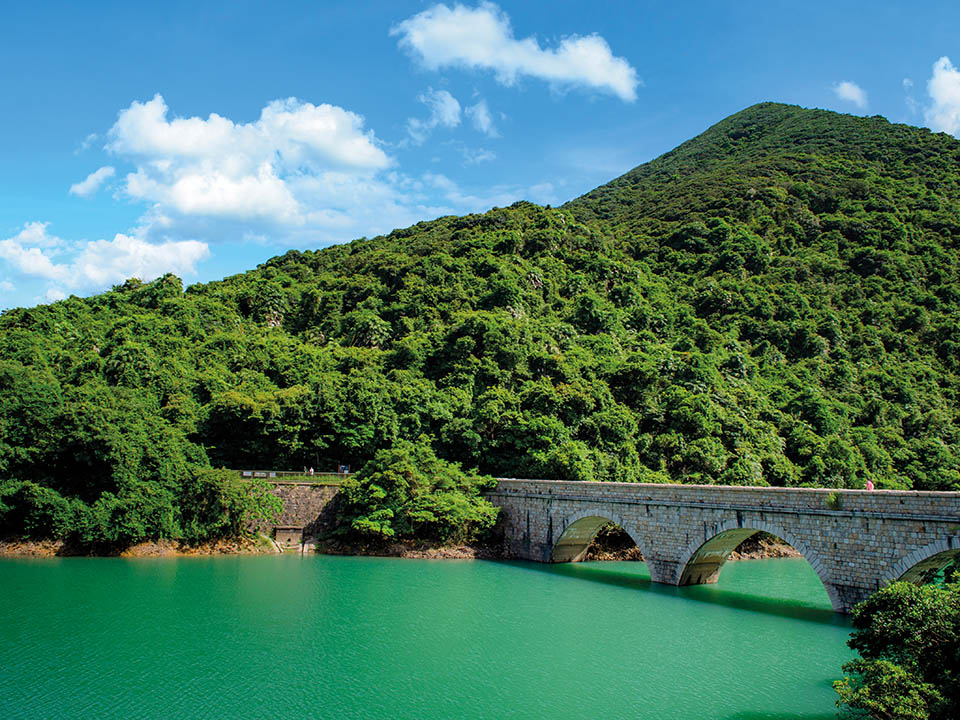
776, 301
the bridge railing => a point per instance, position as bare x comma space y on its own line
296, 476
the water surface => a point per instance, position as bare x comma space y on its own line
337, 637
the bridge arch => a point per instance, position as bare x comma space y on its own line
578, 531
702, 561
925, 562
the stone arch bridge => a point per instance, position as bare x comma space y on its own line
856, 540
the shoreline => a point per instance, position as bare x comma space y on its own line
18, 547
600, 551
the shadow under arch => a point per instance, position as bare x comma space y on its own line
579, 531
703, 561
921, 566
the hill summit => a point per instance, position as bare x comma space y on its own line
774, 302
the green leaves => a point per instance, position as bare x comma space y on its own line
406, 492
908, 637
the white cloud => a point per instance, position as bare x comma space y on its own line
912, 105
542, 193
943, 115
85, 143
481, 39
190, 168
109, 261
482, 120
54, 294
93, 182
301, 175
475, 156
851, 92
444, 112
33, 252
25, 252
290, 132
497, 196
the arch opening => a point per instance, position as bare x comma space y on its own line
938, 567
703, 562
578, 541
704, 565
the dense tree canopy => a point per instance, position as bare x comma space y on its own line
775, 302
908, 638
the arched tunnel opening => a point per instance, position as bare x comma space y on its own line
939, 568
737, 544
578, 538
611, 543
598, 539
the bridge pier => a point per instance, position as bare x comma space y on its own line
857, 541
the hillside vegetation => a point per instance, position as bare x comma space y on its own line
776, 301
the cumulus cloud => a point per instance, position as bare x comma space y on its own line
35, 253
94, 180
110, 261
444, 112
481, 38
300, 175
482, 120
943, 114
189, 168
851, 92
28, 252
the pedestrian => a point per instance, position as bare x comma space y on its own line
869, 484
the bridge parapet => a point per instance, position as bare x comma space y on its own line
856, 540
865, 503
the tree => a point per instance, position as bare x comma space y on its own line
908, 637
406, 492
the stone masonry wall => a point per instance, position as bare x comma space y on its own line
856, 540
305, 505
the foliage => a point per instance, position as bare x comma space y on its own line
908, 637
207, 504
407, 492
774, 302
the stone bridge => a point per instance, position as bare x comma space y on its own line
856, 540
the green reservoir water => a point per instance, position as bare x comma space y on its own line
347, 637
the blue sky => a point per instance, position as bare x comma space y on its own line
202, 138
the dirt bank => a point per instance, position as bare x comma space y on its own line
411, 549
18, 547
762, 546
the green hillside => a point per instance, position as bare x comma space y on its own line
776, 301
